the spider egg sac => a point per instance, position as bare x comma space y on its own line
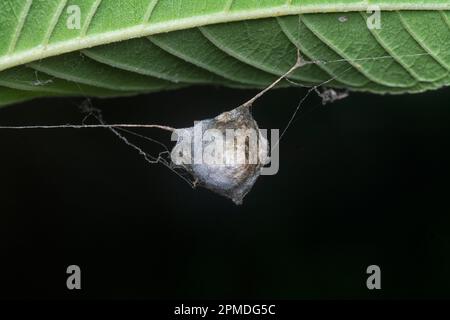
224, 154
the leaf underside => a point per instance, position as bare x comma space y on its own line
127, 47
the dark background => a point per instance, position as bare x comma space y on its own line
362, 181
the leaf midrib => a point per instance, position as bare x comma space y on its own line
145, 29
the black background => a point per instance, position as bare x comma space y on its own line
362, 181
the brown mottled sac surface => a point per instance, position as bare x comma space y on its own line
233, 180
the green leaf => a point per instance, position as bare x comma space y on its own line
107, 48
10, 96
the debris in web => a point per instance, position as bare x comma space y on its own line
330, 95
39, 82
162, 158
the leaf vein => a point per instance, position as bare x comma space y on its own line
54, 22
390, 51
422, 44
89, 17
150, 9
20, 24
228, 5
